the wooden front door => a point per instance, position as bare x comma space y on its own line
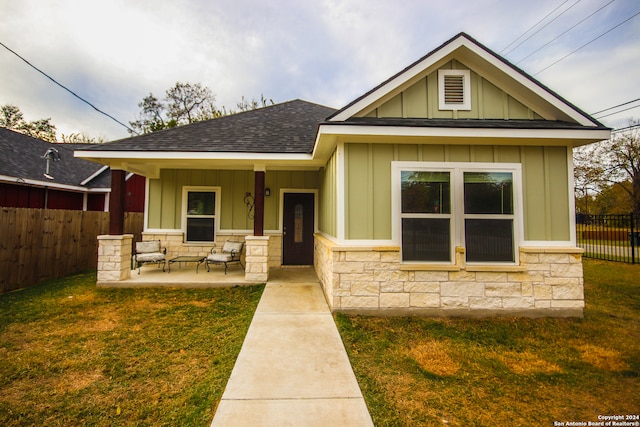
298, 226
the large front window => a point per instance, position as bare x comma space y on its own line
200, 216
468, 205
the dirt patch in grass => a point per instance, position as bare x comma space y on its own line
607, 359
527, 363
433, 356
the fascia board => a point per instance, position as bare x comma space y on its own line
38, 183
531, 85
518, 76
191, 155
398, 81
94, 175
586, 134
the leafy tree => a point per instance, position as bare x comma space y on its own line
12, 118
611, 163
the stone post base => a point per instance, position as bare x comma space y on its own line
114, 258
257, 259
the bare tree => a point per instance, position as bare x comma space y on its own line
184, 103
615, 162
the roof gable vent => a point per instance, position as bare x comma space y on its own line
454, 89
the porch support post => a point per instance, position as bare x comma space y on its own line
114, 258
116, 202
258, 217
256, 267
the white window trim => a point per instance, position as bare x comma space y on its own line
457, 169
466, 90
185, 191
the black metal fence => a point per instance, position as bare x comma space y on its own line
609, 237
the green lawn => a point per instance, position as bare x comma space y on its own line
74, 354
516, 372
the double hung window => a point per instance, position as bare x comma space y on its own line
200, 215
468, 205
426, 215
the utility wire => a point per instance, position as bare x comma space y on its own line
543, 27
616, 106
626, 128
68, 90
534, 25
586, 44
611, 114
557, 37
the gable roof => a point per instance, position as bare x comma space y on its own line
289, 127
483, 61
21, 160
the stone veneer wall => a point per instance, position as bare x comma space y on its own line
372, 280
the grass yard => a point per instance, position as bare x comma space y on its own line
516, 372
73, 354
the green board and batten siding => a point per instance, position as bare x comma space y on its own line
368, 184
328, 197
165, 195
420, 100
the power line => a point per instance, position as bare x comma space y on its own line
616, 106
626, 128
68, 90
565, 32
586, 44
611, 114
534, 25
543, 27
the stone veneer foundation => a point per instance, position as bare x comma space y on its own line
372, 280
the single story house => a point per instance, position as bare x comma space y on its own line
445, 190
38, 174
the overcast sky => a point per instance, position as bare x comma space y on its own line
115, 52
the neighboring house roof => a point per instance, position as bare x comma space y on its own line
21, 161
289, 127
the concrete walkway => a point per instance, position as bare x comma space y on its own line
293, 369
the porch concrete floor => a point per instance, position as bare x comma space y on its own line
185, 276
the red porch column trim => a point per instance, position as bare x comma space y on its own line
258, 217
116, 202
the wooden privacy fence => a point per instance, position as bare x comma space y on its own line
43, 244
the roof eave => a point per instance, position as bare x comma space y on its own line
573, 137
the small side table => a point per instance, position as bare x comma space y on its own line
187, 258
